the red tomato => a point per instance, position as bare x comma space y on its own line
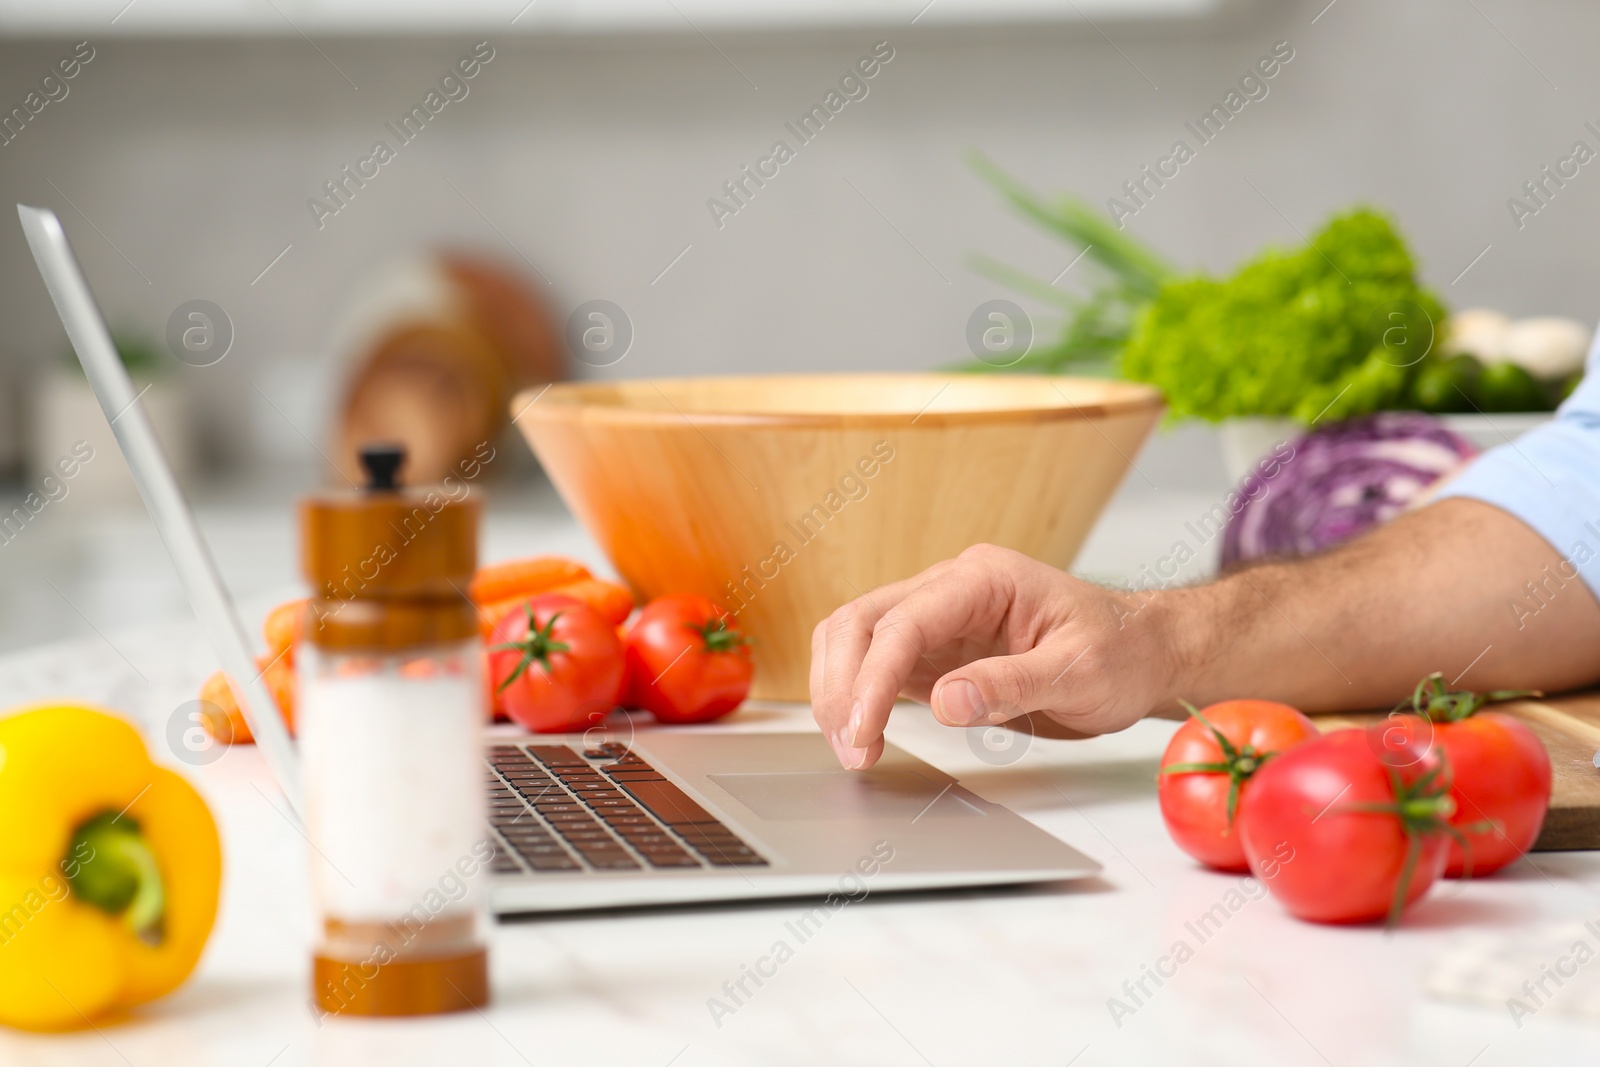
1501, 773
497, 710
556, 664
1502, 779
1350, 827
1206, 766
686, 662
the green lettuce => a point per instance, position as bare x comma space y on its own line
1332, 329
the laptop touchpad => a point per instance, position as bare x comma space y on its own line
887, 794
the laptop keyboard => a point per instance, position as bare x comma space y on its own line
554, 809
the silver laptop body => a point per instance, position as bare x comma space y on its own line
621, 816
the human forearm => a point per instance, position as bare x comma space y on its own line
1434, 590
993, 636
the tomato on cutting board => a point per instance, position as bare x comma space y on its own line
556, 665
1208, 764
1501, 775
1502, 791
1351, 826
686, 660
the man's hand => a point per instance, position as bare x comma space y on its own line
986, 637
1459, 587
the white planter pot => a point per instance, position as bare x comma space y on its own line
1245, 441
66, 421
1489, 431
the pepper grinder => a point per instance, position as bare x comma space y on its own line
393, 704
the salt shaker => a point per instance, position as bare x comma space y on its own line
392, 705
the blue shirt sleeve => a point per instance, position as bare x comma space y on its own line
1550, 477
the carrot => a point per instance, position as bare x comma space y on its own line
489, 615
285, 627
610, 601
279, 677
220, 713
524, 578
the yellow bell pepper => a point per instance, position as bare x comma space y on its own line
110, 869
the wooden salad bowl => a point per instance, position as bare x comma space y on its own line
783, 497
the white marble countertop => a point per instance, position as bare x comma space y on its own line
1015, 977
1012, 976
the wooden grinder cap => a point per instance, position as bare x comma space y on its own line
388, 566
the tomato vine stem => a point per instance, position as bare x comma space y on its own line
1436, 702
1238, 762
537, 646
1424, 808
717, 635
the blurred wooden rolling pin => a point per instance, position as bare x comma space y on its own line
435, 347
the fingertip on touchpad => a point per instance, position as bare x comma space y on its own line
876, 794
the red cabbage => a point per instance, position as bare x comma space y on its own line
1341, 480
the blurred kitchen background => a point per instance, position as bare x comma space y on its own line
182, 157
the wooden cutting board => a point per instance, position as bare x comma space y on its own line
1570, 730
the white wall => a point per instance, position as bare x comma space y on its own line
595, 158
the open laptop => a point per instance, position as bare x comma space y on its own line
615, 818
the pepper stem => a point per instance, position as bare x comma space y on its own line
110, 867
